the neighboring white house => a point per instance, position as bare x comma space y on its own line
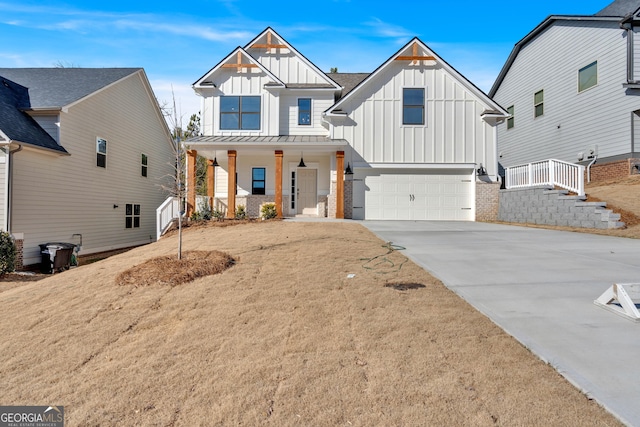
84, 152
418, 136
572, 87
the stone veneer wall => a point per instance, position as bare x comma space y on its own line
331, 200
487, 201
542, 205
19, 262
348, 199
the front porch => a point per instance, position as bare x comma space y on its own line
301, 175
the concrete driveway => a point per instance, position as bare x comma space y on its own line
539, 286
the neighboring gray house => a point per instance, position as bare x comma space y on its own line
82, 154
572, 86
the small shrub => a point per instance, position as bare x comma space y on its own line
196, 216
205, 210
218, 215
268, 211
241, 212
7, 253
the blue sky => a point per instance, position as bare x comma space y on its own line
177, 42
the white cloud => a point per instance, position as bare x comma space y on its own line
384, 29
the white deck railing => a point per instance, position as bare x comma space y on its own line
165, 214
547, 172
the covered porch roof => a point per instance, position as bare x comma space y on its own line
206, 145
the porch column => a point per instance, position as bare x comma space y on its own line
191, 182
279, 183
340, 184
231, 190
211, 182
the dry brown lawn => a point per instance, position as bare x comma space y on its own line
284, 337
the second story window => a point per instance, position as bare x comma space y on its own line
412, 106
240, 113
145, 164
304, 111
538, 103
588, 76
510, 120
101, 152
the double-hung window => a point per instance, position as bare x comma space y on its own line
588, 76
132, 216
304, 111
510, 119
101, 152
258, 180
538, 103
144, 164
240, 113
413, 106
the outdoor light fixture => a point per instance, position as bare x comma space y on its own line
482, 170
115, 206
348, 170
301, 164
215, 162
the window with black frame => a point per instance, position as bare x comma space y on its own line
240, 113
258, 180
413, 106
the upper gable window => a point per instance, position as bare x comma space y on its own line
304, 111
101, 152
588, 76
144, 164
510, 119
538, 103
413, 106
240, 113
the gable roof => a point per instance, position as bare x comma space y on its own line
614, 12
304, 59
15, 124
620, 8
54, 88
201, 82
490, 103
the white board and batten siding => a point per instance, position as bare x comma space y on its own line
287, 66
229, 82
453, 133
3, 190
572, 121
58, 196
320, 102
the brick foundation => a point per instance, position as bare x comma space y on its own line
19, 263
613, 170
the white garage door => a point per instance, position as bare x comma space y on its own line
419, 196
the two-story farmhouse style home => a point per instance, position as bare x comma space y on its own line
414, 139
571, 87
83, 154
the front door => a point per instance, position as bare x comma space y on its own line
307, 192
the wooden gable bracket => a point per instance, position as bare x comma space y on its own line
414, 58
269, 45
239, 65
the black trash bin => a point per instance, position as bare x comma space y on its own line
61, 254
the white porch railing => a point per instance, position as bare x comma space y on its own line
547, 172
165, 214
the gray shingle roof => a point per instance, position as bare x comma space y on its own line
620, 8
57, 87
18, 125
348, 80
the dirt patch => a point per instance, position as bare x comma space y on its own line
303, 331
171, 271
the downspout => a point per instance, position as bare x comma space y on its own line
589, 168
10, 186
630, 66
